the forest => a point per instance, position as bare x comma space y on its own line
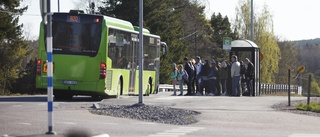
187, 32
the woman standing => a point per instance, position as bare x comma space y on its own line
174, 74
212, 76
223, 75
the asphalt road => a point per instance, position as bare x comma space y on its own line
220, 116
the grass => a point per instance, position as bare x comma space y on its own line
313, 106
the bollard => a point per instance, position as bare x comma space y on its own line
309, 88
289, 87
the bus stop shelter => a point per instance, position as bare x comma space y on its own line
247, 49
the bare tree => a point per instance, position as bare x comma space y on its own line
86, 4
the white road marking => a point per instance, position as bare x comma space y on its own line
42, 104
67, 123
304, 135
102, 135
171, 98
176, 132
29, 124
16, 105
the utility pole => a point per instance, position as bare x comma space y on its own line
140, 50
58, 5
251, 24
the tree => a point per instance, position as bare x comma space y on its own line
13, 48
158, 21
314, 89
222, 28
124, 9
197, 30
288, 60
86, 6
263, 36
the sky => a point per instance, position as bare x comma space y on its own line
293, 19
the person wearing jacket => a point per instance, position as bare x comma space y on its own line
173, 76
180, 78
191, 71
249, 76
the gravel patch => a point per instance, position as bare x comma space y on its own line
149, 113
284, 107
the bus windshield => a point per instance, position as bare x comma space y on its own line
76, 34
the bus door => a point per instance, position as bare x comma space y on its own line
134, 50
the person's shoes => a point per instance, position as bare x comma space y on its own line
180, 95
198, 94
210, 94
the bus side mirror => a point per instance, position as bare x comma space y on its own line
164, 48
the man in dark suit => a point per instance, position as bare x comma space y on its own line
191, 72
249, 74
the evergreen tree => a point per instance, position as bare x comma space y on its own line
123, 9
13, 48
222, 28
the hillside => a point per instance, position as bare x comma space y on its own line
315, 41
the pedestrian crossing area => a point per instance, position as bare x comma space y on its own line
176, 132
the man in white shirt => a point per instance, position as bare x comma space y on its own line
198, 80
235, 75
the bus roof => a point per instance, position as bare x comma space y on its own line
118, 23
125, 25
136, 28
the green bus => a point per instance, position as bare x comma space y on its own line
98, 56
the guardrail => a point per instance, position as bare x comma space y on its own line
275, 88
168, 87
264, 88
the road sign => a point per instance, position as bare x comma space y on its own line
260, 56
301, 69
227, 43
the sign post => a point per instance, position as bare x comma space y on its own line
46, 19
227, 43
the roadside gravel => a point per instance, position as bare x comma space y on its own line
149, 113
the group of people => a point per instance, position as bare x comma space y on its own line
213, 78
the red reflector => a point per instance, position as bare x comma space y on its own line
39, 67
97, 20
39, 61
102, 70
